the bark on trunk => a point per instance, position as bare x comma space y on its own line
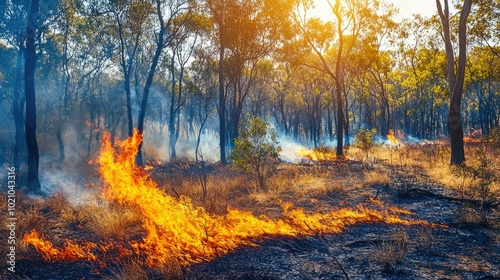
338, 83
18, 109
222, 104
29, 76
455, 79
149, 81
171, 119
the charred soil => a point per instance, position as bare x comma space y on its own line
459, 244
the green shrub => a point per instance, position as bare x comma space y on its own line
364, 140
256, 148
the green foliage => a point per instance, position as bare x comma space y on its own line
256, 148
364, 139
494, 137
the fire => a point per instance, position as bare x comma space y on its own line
468, 139
392, 138
71, 252
318, 154
177, 230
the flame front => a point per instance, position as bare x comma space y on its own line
317, 155
177, 230
468, 139
71, 252
393, 138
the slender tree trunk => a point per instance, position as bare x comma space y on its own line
179, 103
149, 81
145, 94
456, 80
338, 83
222, 102
127, 70
346, 124
126, 82
29, 76
18, 109
171, 120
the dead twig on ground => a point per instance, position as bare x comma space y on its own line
328, 249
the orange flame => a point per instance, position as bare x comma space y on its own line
468, 139
317, 154
393, 138
177, 230
71, 252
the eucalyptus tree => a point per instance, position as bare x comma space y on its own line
29, 91
12, 30
77, 53
128, 22
456, 74
192, 27
356, 22
484, 25
142, 26
245, 32
164, 32
202, 102
482, 85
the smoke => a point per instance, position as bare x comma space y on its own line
332, 143
68, 177
209, 146
7, 129
290, 150
70, 182
156, 144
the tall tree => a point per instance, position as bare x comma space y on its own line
129, 23
456, 74
218, 14
165, 13
354, 19
182, 47
29, 80
12, 22
338, 80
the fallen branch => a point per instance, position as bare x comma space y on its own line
414, 192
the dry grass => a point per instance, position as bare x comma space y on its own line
111, 221
434, 160
477, 179
376, 178
468, 216
425, 237
128, 271
393, 251
294, 181
34, 215
225, 187
219, 187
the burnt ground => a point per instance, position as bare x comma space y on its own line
463, 248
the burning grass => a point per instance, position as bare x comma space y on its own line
178, 232
110, 221
319, 154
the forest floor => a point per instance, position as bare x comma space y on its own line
462, 243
